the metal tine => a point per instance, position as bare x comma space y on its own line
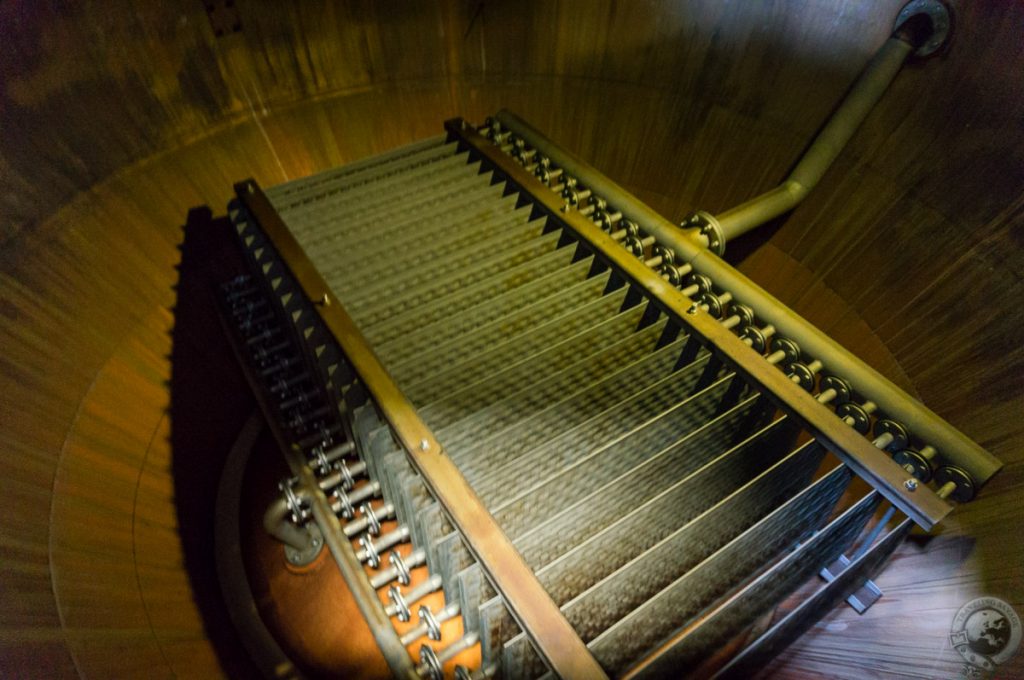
403, 156
437, 308
666, 395
343, 225
713, 629
477, 392
453, 557
506, 329
473, 590
423, 225
384, 205
481, 311
591, 610
378, 243
604, 597
410, 183
360, 285
431, 236
330, 225
335, 224
781, 634
517, 394
421, 386
593, 466
679, 606
497, 627
665, 495
372, 310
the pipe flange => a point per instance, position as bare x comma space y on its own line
788, 347
896, 430
713, 303
709, 228
702, 282
633, 246
745, 313
604, 220
631, 228
430, 664
667, 255
861, 419
841, 387
757, 338
801, 375
937, 15
301, 558
671, 274
965, 488
914, 463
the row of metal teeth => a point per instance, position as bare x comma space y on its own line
305, 409
354, 497
917, 457
393, 570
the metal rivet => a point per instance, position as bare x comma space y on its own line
424, 445
910, 485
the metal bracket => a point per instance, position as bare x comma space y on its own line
301, 558
862, 598
709, 228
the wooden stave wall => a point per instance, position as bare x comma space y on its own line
88, 269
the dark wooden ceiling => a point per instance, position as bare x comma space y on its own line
116, 117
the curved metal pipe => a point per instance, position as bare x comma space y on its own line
277, 522
862, 97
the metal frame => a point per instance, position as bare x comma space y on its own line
535, 612
867, 461
953, 446
351, 568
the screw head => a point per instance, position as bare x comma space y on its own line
910, 485
424, 445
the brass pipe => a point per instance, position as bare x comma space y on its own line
859, 102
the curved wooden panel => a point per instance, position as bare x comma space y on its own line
117, 119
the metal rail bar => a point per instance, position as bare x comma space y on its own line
532, 608
953, 446
866, 460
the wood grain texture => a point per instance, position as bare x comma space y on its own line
118, 117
